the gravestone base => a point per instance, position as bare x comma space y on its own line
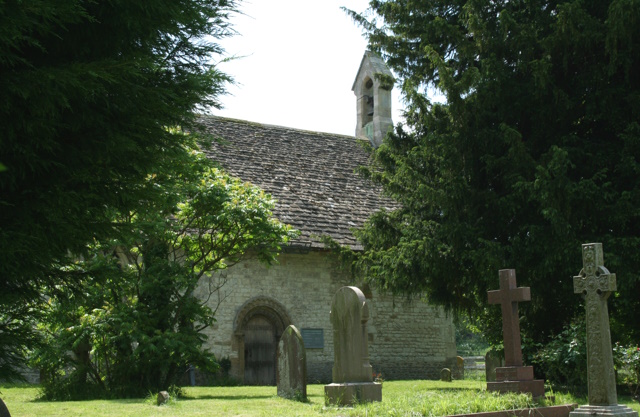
603, 410
514, 373
517, 379
535, 387
350, 393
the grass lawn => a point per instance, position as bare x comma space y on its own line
399, 398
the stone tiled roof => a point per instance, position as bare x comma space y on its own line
309, 174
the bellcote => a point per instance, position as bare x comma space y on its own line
372, 88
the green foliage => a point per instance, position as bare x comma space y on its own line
627, 361
562, 361
17, 322
222, 378
136, 323
535, 152
469, 338
88, 90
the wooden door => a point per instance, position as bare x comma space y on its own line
260, 346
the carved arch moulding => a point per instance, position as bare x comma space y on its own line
262, 306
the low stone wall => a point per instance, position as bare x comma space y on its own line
318, 372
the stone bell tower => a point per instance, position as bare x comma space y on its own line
372, 88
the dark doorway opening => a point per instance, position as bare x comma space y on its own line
260, 344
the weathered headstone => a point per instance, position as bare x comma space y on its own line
492, 360
352, 372
514, 377
459, 374
162, 398
445, 375
596, 283
291, 371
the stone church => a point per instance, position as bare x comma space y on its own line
311, 176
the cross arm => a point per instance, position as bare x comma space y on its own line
511, 295
603, 281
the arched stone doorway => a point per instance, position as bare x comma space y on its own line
257, 330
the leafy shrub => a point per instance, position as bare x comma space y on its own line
563, 360
221, 378
225, 365
470, 340
627, 363
136, 320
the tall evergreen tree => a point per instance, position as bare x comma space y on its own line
89, 91
535, 150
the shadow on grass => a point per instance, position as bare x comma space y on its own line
225, 397
454, 389
142, 399
114, 400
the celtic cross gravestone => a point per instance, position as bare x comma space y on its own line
596, 283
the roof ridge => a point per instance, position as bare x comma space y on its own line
268, 125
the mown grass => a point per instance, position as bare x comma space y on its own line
400, 398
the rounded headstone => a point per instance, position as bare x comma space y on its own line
291, 371
349, 316
163, 397
492, 360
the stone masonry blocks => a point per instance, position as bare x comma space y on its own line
304, 284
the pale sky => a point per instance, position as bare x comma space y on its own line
300, 58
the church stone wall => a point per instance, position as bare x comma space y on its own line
407, 340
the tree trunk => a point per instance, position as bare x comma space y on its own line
83, 356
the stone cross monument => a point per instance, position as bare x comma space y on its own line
596, 283
508, 297
514, 377
352, 372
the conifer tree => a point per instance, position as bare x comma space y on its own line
90, 93
534, 150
